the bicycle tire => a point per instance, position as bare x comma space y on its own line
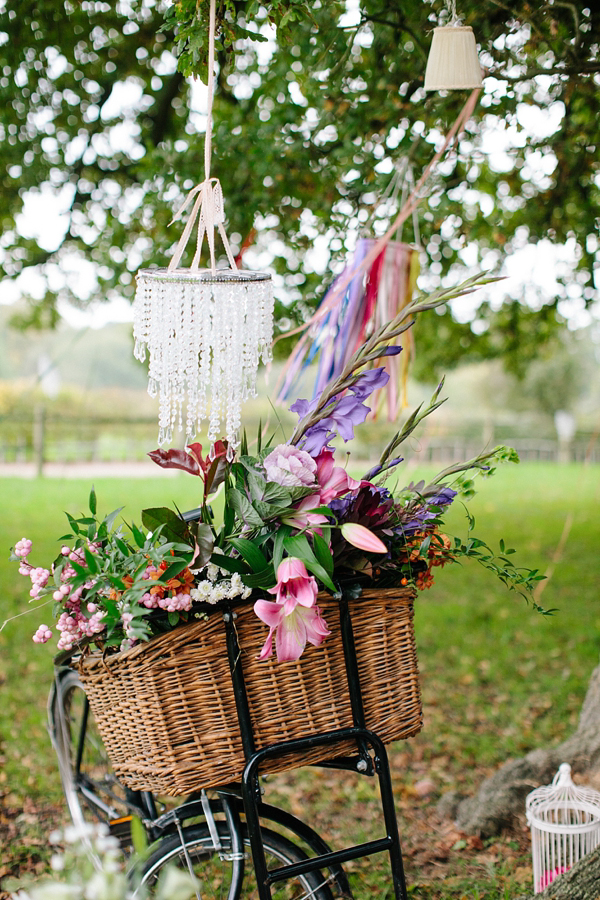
92, 791
198, 843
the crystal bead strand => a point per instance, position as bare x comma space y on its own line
267, 305
141, 318
252, 335
235, 368
181, 337
202, 295
191, 361
168, 301
248, 316
218, 321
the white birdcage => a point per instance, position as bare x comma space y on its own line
565, 826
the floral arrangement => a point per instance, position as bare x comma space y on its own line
88, 865
294, 523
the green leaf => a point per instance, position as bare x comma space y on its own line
243, 508
280, 495
229, 564
269, 511
174, 569
298, 492
264, 579
173, 619
250, 552
73, 523
323, 554
228, 523
116, 582
256, 485
80, 570
173, 526
280, 535
109, 521
91, 560
138, 536
92, 502
121, 545
298, 546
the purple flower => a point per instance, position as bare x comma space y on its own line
316, 439
416, 522
342, 414
417, 517
444, 497
348, 412
391, 351
302, 407
370, 381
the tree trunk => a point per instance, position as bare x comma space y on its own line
582, 882
502, 795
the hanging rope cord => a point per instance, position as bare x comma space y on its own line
338, 291
208, 209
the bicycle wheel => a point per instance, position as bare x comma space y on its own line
91, 789
212, 874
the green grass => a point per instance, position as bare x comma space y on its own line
498, 679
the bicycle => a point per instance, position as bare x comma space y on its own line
209, 836
206, 836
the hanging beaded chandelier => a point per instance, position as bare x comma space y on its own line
205, 330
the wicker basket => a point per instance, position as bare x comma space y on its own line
166, 710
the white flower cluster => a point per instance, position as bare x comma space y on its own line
212, 591
92, 867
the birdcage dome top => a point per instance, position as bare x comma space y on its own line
562, 805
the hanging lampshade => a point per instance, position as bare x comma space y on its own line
204, 329
205, 332
453, 63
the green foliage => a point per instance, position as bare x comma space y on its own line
111, 569
304, 139
188, 20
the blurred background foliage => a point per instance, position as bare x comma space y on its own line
316, 104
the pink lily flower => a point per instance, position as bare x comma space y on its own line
291, 631
294, 616
294, 585
363, 538
301, 519
333, 480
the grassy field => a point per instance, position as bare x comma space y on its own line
497, 679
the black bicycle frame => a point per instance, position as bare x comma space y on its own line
365, 763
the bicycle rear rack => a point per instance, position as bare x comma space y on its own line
364, 763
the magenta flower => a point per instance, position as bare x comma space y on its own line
294, 616
333, 480
291, 631
294, 585
289, 466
